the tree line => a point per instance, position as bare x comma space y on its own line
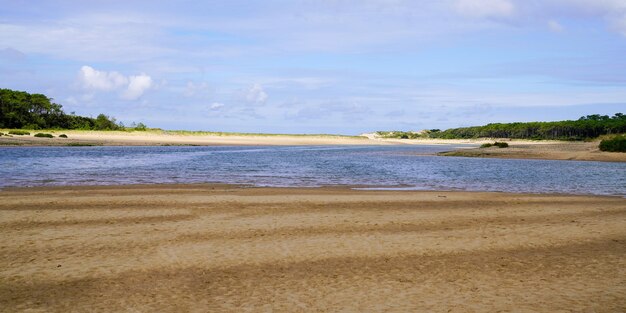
586, 127
22, 110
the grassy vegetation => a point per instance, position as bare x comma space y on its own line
402, 134
19, 132
62, 136
498, 144
210, 133
615, 144
44, 135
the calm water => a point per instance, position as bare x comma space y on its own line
372, 166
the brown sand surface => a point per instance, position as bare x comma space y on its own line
579, 151
214, 248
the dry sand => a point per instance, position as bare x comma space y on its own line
152, 138
212, 248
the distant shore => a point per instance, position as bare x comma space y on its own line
520, 149
222, 248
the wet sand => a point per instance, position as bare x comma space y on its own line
173, 248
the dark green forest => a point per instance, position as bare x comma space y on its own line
22, 110
586, 127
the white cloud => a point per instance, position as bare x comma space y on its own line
485, 8
256, 94
130, 88
216, 106
555, 26
137, 86
99, 80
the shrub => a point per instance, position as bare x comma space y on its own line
615, 144
141, 127
31, 126
18, 132
44, 135
496, 144
1, 134
62, 136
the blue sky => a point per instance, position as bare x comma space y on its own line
319, 66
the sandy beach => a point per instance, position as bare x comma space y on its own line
159, 138
163, 138
198, 248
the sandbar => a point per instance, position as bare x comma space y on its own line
550, 150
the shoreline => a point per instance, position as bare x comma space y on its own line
225, 248
353, 189
519, 149
160, 138
232, 186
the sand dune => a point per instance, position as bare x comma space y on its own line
220, 248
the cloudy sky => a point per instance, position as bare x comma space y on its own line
319, 66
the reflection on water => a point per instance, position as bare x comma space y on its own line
404, 167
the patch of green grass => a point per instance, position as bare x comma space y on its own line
62, 136
615, 144
19, 132
464, 153
44, 135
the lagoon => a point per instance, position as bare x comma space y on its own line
375, 167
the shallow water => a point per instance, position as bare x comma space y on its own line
398, 167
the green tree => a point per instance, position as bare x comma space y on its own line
19, 109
